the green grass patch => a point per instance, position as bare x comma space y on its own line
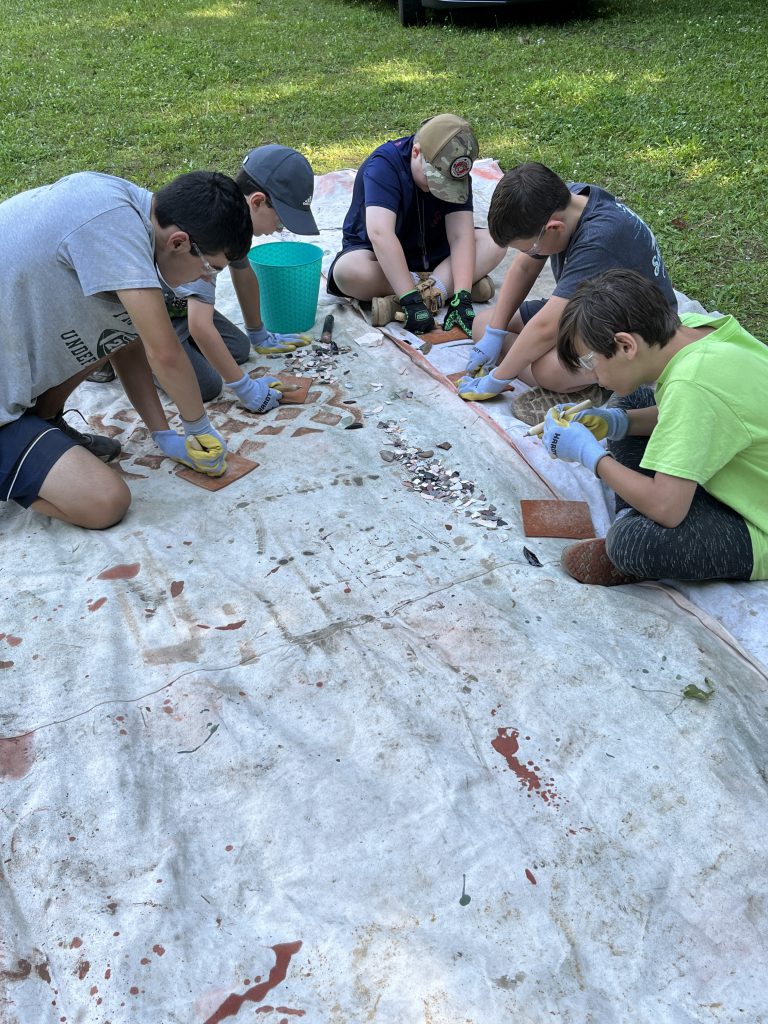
662, 102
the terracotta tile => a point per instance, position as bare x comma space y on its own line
568, 519
305, 430
271, 430
237, 467
439, 336
292, 397
295, 397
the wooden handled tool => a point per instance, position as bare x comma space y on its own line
539, 428
327, 335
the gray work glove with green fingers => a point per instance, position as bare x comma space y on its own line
460, 313
418, 319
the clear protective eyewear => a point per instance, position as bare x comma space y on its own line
209, 268
534, 250
588, 361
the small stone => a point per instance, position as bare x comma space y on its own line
387, 456
445, 445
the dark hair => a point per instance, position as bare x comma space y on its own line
617, 300
248, 186
523, 201
211, 208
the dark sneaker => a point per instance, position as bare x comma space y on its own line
104, 448
104, 375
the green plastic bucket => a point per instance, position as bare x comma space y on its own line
289, 282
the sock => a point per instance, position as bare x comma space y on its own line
441, 288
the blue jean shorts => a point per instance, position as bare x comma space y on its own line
29, 448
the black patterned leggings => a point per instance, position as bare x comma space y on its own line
711, 543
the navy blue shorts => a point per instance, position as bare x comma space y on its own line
530, 308
434, 257
29, 448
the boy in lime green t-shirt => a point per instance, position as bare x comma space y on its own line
689, 464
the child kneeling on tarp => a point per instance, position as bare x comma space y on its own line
688, 464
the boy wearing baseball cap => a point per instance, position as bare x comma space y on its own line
409, 237
277, 183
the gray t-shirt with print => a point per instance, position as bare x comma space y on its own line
69, 247
608, 235
176, 298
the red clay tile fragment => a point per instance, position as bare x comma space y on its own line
237, 467
569, 519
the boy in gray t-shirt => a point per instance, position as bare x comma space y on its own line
583, 230
82, 286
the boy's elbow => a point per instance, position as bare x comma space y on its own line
672, 514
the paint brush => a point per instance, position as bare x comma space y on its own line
569, 414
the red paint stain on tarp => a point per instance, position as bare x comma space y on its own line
82, 969
6, 664
506, 743
93, 606
176, 587
233, 625
158, 949
76, 943
17, 756
288, 1010
121, 572
230, 1007
12, 641
530, 876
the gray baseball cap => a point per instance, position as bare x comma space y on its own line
449, 148
287, 178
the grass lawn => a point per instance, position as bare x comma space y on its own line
661, 101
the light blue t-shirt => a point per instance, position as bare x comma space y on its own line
70, 247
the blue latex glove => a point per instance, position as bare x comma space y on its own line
485, 353
256, 395
603, 422
203, 452
571, 441
479, 389
268, 343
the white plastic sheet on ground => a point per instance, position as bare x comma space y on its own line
322, 748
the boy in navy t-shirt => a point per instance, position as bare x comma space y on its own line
583, 230
410, 230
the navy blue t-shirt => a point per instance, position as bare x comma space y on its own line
608, 235
385, 180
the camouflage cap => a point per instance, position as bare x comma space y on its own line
449, 148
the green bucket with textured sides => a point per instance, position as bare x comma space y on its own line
289, 282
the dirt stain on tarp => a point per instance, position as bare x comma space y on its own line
17, 756
283, 951
126, 571
23, 971
507, 744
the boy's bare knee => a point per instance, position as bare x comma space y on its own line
109, 506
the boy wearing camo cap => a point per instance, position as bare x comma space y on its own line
409, 238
